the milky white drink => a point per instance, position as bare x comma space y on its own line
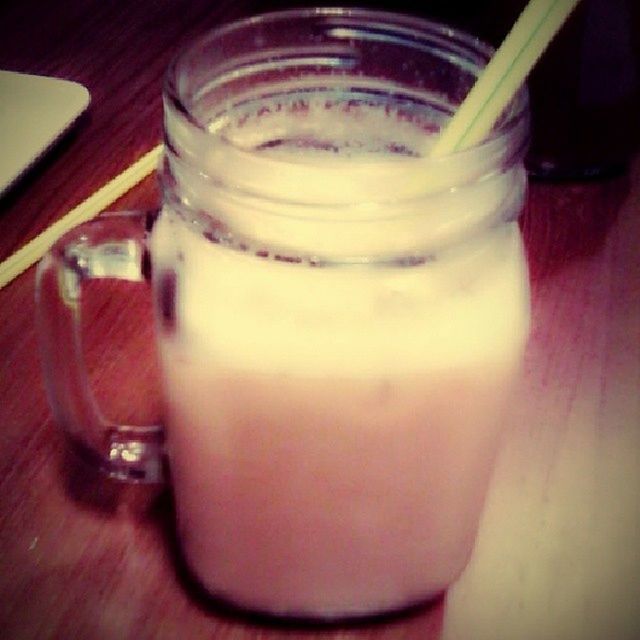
332, 420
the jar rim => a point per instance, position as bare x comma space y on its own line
226, 80
405, 25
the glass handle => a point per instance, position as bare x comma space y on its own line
113, 246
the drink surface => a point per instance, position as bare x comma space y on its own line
332, 420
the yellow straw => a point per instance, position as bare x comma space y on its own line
28, 255
504, 74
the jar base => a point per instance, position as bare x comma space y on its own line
224, 605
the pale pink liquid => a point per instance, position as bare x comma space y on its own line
329, 497
331, 431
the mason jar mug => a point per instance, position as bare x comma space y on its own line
340, 317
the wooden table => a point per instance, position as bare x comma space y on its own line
558, 554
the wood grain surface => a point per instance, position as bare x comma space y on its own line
558, 556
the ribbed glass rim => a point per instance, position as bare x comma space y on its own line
411, 28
